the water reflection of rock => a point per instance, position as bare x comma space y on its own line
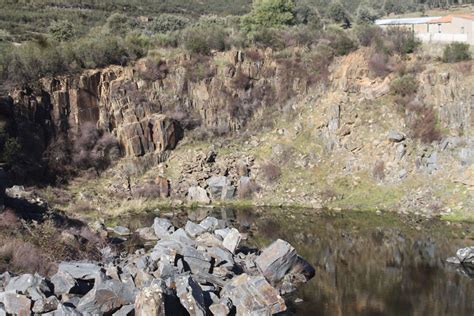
365, 265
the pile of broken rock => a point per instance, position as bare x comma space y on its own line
200, 269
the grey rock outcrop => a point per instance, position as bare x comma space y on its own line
197, 270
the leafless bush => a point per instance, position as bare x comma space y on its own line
248, 189
464, 67
22, 257
148, 190
241, 81
152, 71
270, 171
378, 172
8, 218
379, 64
199, 68
94, 148
254, 55
425, 126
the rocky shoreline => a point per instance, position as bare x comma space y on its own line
199, 269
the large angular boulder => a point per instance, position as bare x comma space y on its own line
33, 286
276, 260
15, 304
190, 295
106, 297
253, 295
220, 188
162, 227
150, 301
198, 194
232, 240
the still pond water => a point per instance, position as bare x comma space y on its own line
365, 264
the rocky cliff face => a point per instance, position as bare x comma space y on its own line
142, 105
352, 126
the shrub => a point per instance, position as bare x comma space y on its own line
406, 85
248, 189
340, 42
378, 172
267, 37
337, 13
165, 23
379, 64
61, 30
425, 126
11, 151
203, 39
241, 81
368, 34
402, 41
456, 52
270, 171
199, 68
151, 70
94, 148
366, 15
268, 14
149, 190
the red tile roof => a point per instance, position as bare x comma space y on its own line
449, 18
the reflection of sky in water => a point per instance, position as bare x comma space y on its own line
365, 264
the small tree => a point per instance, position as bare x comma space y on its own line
337, 13
61, 30
165, 23
11, 151
269, 13
366, 15
456, 52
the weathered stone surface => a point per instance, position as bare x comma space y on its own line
80, 270
466, 255
63, 282
33, 286
16, 304
220, 188
232, 240
395, 136
210, 223
126, 310
45, 305
253, 296
147, 233
162, 227
194, 229
222, 256
164, 186
209, 240
107, 297
190, 295
221, 307
276, 260
150, 301
121, 230
198, 194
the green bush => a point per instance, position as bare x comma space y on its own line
368, 34
267, 37
403, 86
268, 14
340, 41
456, 52
203, 39
61, 30
11, 151
165, 23
402, 41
